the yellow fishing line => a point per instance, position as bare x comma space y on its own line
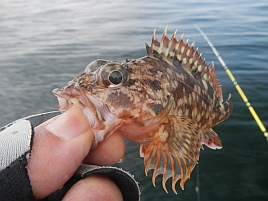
238, 88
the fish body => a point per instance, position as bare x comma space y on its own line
168, 101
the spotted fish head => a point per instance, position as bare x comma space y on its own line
111, 93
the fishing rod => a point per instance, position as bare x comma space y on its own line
240, 91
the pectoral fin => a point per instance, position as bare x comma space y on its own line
174, 151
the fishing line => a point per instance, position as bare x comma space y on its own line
240, 91
197, 188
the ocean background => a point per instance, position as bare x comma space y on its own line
44, 44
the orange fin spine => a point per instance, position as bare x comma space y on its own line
174, 152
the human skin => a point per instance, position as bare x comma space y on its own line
60, 145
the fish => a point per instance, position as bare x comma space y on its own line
167, 101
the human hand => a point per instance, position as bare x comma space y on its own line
60, 145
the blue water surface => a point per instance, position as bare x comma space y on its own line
44, 44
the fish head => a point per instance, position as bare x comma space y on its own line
111, 93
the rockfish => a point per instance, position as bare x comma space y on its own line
167, 101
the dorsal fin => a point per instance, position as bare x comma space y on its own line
174, 51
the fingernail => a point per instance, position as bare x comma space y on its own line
120, 160
65, 127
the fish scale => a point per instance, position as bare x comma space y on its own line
167, 101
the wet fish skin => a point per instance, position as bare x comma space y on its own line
168, 101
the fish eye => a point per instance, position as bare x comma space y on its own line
112, 75
115, 77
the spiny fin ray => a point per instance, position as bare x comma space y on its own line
173, 49
169, 154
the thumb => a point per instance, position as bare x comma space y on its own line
59, 146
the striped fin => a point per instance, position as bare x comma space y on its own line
180, 53
174, 152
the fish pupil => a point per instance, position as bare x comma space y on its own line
115, 77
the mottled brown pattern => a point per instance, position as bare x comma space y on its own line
167, 101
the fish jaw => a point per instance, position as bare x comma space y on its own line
100, 120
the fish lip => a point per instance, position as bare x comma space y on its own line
101, 121
70, 95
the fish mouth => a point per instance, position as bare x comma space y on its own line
102, 122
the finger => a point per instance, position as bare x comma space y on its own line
94, 187
108, 152
56, 156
